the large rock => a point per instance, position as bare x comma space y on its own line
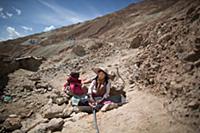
55, 124
95, 45
197, 45
67, 111
192, 56
12, 123
61, 100
55, 111
41, 128
43, 85
29, 62
194, 104
79, 50
9, 65
136, 42
165, 38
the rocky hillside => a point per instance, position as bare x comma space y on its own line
154, 43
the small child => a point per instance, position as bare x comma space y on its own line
73, 85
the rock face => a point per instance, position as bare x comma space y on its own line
169, 64
9, 65
29, 63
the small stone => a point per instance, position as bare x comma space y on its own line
197, 63
18, 131
13, 116
188, 67
61, 100
40, 85
131, 81
28, 87
193, 104
49, 88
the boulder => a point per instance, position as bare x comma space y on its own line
28, 87
41, 128
61, 100
194, 104
165, 38
197, 63
12, 123
55, 111
79, 50
55, 124
29, 62
136, 42
67, 111
43, 85
197, 45
188, 67
95, 46
18, 131
192, 56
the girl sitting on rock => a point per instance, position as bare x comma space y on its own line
99, 90
73, 87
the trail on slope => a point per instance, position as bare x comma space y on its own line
144, 112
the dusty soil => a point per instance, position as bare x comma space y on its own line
155, 46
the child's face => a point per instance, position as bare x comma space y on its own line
101, 75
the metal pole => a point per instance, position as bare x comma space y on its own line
95, 120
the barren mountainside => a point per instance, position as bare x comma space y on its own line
154, 45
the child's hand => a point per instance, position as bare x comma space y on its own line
99, 101
93, 105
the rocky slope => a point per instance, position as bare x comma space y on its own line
155, 45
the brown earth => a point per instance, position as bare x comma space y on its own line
156, 46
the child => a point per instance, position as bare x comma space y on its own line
73, 87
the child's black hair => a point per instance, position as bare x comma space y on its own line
75, 74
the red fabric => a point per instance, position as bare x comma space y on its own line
75, 86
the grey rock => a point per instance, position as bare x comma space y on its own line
12, 123
194, 104
61, 100
166, 37
41, 128
136, 42
192, 56
53, 111
55, 124
79, 50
